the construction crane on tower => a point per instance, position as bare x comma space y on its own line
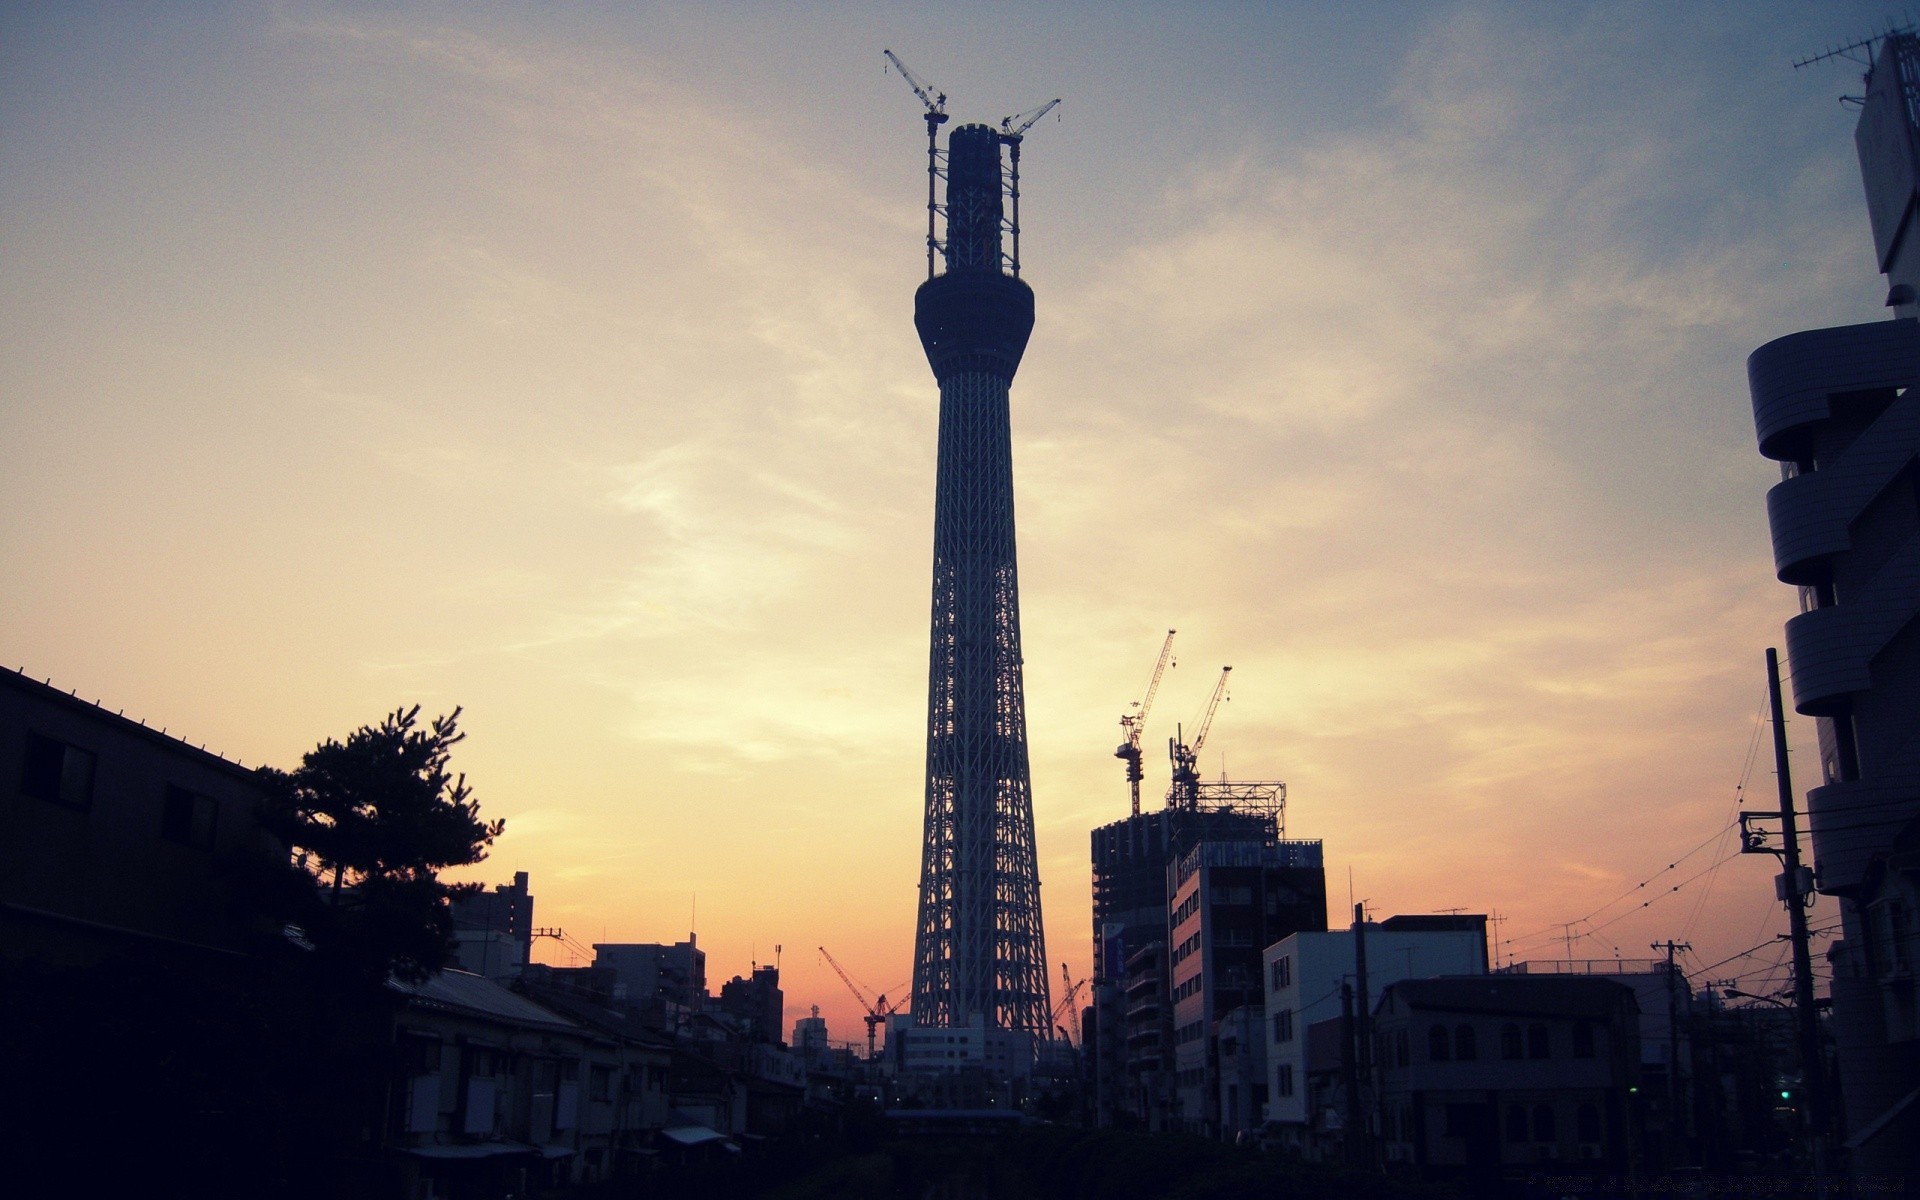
1132, 723
1012, 131
877, 1010
1184, 794
936, 105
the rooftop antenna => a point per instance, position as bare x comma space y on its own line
1858, 51
936, 115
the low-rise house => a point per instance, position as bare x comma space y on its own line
495, 1091
116, 837
1499, 1075
1305, 975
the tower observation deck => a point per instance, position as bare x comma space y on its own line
979, 951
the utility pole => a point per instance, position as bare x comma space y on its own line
1364, 1032
1674, 1124
1350, 1035
1795, 884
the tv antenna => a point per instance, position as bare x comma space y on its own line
1859, 51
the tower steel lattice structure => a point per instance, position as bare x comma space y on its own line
979, 950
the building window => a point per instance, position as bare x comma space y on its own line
1582, 1040
1465, 1047
1516, 1123
1283, 1025
1283, 1079
188, 817
57, 772
600, 1081
1510, 1040
1543, 1130
1400, 1055
1437, 1048
1283, 971
1586, 1121
1537, 1046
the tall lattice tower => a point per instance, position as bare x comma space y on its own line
979, 952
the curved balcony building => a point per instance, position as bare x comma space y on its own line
1839, 410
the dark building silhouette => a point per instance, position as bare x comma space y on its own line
1839, 410
648, 971
115, 837
493, 931
757, 1002
979, 950
1227, 902
1130, 917
1485, 1077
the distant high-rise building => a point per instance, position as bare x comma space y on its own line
810, 1038
758, 1001
979, 951
1840, 410
650, 971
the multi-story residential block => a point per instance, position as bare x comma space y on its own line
675, 974
1494, 1076
1228, 901
114, 835
1304, 975
757, 1003
493, 931
1130, 913
1147, 1096
1840, 410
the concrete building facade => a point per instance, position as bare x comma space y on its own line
1838, 409
1228, 901
1130, 915
1303, 975
676, 973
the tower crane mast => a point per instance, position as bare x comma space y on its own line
936, 115
1131, 724
1185, 793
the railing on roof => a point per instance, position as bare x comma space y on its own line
1587, 966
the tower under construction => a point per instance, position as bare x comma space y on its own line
979, 952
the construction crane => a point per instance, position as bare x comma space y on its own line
1185, 792
936, 115
1065, 1007
1132, 723
1012, 130
877, 1010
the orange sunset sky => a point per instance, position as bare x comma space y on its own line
557, 361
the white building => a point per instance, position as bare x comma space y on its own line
1303, 975
935, 1049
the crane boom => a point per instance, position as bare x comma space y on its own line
1213, 706
1185, 792
936, 102
876, 1013
1009, 130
